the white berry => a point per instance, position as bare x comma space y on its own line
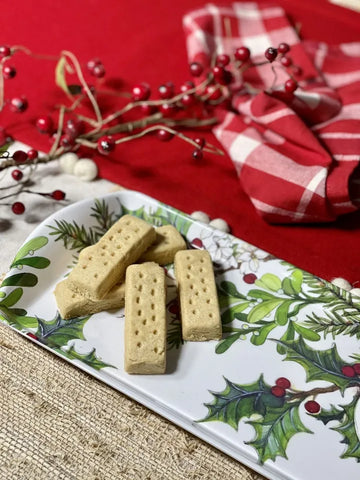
200, 216
86, 169
220, 224
67, 162
355, 291
341, 283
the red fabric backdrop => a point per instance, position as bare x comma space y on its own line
143, 41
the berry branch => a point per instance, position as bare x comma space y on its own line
193, 106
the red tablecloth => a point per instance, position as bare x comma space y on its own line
144, 41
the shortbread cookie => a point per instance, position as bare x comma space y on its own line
168, 242
104, 264
71, 304
200, 315
145, 319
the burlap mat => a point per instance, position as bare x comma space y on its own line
57, 422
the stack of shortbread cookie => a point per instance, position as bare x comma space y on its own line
123, 267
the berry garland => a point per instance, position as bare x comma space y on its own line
193, 106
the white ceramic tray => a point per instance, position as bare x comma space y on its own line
279, 392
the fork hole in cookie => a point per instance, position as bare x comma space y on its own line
137, 299
136, 332
139, 313
141, 275
95, 275
152, 292
155, 349
153, 306
154, 332
153, 318
144, 322
138, 344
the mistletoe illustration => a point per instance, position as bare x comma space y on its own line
278, 407
277, 303
56, 333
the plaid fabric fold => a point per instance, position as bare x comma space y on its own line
297, 156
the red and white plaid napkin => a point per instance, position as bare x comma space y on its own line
296, 156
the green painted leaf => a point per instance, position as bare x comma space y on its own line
306, 333
12, 298
288, 335
226, 343
262, 309
260, 337
88, 358
296, 280
269, 281
31, 246
282, 312
35, 262
288, 288
233, 312
20, 280
226, 301
12, 317
230, 289
237, 402
319, 364
348, 430
58, 332
254, 293
2, 294
275, 429
333, 413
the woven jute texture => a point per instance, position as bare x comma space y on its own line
56, 422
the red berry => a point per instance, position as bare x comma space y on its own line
278, 391
19, 104
188, 100
5, 51
290, 85
17, 174
106, 144
198, 154
164, 135
168, 109
92, 63
67, 141
147, 109
166, 91
312, 407
222, 60
18, 208
98, 71
32, 154
140, 92
74, 128
242, 54
348, 371
271, 54
297, 71
249, 278
58, 195
213, 92
45, 124
197, 243
286, 61
31, 335
9, 72
283, 48
283, 382
188, 85
196, 69
174, 308
356, 367
20, 156
200, 141
218, 72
